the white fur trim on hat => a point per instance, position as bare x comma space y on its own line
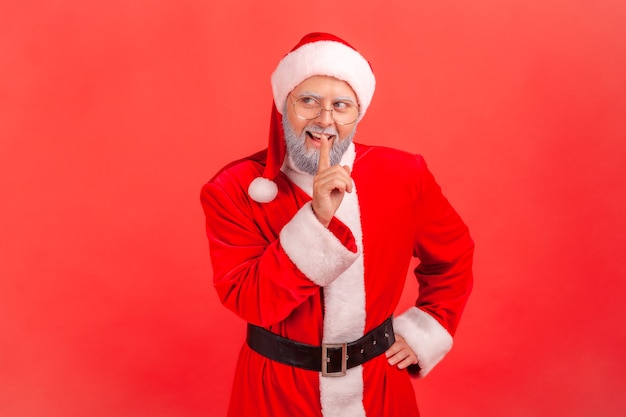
262, 190
329, 58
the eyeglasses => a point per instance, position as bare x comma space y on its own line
344, 112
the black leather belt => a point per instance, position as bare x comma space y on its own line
330, 359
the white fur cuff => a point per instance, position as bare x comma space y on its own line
314, 249
426, 337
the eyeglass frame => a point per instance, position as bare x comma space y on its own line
295, 99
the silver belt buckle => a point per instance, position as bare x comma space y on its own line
326, 359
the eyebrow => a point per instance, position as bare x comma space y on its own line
319, 97
346, 98
309, 94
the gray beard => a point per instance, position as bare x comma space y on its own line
307, 160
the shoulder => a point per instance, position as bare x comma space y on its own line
388, 158
231, 182
240, 171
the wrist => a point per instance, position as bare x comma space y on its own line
325, 222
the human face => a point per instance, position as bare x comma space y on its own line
303, 140
327, 90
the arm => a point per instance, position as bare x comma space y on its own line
445, 249
263, 277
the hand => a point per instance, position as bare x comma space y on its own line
329, 185
401, 354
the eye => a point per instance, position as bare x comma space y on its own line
342, 106
308, 101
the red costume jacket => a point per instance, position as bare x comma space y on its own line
277, 267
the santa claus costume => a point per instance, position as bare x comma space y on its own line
292, 279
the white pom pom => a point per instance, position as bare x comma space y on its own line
262, 190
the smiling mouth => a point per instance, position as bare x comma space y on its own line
318, 136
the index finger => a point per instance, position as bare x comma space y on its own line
324, 162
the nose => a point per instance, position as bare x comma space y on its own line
325, 118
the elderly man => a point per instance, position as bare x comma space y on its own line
310, 243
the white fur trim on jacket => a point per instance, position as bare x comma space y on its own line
329, 58
314, 249
429, 340
344, 303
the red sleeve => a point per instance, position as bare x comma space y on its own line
445, 250
252, 274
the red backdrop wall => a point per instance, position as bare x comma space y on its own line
114, 113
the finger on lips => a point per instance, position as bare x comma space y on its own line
324, 162
335, 177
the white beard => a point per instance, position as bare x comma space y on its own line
307, 160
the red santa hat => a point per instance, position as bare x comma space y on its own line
315, 54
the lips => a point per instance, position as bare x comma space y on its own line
315, 136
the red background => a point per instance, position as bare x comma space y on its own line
114, 113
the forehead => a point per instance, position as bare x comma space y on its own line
325, 86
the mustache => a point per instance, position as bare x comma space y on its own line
330, 130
